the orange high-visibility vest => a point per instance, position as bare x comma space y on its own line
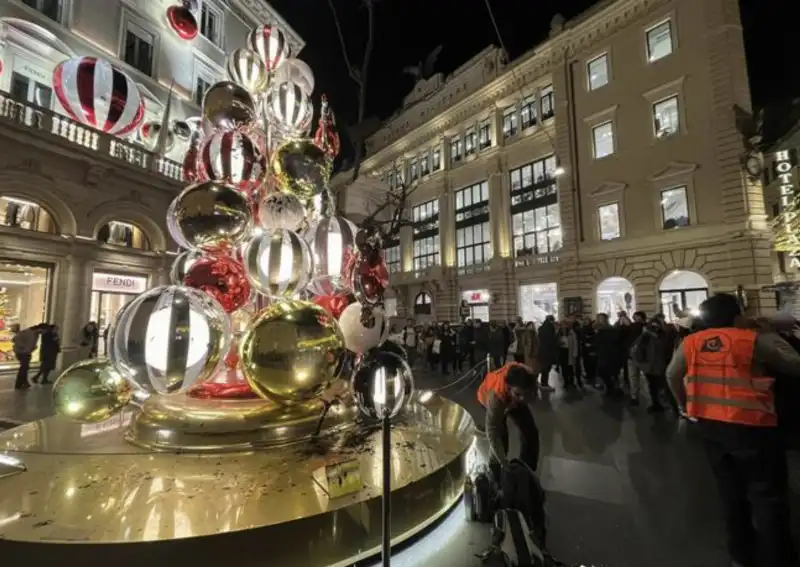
720, 385
495, 382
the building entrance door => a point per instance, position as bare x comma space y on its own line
110, 293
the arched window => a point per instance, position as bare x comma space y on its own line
26, 215
682, 291
118, 233
423, 304
615, 295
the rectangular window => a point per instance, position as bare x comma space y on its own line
535, 180
200, 90
598, 72
139, 49
413, 169
473, 233
50, 8
24, 89
209, 24
659, 41
509, 121
547, 102
392, 257
666, 119
674, 208
528, 112
485, 134
456, 149
20, 84
608, 216
399, 175
437, 160
603, 140
469, 142
424, 164
425, 222
537, 231
390, 179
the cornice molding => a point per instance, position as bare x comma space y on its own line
579, 35
608, 188
673, 169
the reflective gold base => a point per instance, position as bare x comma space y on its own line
131, 506
184, 423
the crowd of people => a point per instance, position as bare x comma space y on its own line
612, 357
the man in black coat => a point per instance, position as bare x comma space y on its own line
548, 351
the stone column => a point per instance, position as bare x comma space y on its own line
499, 209
444, 148
76, 281
407, 248
447, 227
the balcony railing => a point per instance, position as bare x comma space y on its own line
85, 138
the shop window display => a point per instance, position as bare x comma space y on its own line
537, 301
24, 291
27, 215
124, 234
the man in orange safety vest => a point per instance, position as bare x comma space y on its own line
723, 377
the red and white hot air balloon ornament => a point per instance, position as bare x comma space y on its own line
271, 45
97, 94
326, 137
232, 157
149, 133
182, 20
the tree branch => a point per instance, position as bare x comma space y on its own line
350, 68
362, 95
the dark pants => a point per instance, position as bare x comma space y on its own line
567, 370
609, 374
529, 438
590, 367
22, 372
544, 377
749, 464
497, 361
658, 386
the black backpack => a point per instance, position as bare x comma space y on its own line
522, 491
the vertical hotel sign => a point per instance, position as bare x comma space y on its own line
784, 173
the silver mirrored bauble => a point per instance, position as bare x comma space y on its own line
281, 210
181, 265
227, 106
169, 338
296, 71
208, 215
277, 263
382, 384
332, 240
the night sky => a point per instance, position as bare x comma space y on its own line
407, 30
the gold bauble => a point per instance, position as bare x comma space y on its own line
227, 106
90, 391
210, 214
291, 352
301, 168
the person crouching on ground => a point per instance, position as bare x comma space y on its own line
505, 393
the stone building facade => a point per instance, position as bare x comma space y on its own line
82, 213
608, 167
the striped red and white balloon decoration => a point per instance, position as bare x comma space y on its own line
232, 157
97, 94
271, 45
289, 108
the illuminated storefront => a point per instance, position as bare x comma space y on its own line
24, 301
477, 300
537, 301
110, 292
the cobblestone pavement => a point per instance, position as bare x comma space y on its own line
625, 488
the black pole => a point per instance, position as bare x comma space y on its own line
386, 429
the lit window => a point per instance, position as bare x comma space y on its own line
50, 8
26, 215
537, 231
546, 102
528, 112
123, 234
659, 41
674, 208
209, 24
413, 169
608, 216
665, 117
533, 180
485, 134
25, 89
473, 233
469, 142
598, 72
200, 90
392, 257
509, 121
424, 164
139, 48
399, 175
437, 160
603, 140
425, 224
455, 150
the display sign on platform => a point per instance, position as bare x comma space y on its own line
117, 283
339, 479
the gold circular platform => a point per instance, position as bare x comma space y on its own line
88, 497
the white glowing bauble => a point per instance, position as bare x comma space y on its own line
358, 337
296, 71
281, 210
278, 263
332, 240
169, 338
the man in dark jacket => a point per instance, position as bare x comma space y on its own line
609, 354
548, 350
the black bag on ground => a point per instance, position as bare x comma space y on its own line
523, 492
514, 542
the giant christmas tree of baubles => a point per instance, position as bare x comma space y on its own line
274, 295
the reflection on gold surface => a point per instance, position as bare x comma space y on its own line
101, 495
90, 391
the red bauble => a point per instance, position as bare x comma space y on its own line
333, 304
222, 278
182, 22
232, 358
373, 265
226, 385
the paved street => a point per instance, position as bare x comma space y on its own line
625, 488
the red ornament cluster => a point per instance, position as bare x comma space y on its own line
221, 277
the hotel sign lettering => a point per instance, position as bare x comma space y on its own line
784, 171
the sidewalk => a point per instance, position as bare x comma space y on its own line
18, 407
